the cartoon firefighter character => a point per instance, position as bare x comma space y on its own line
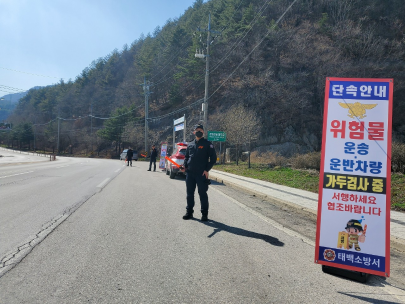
354, 228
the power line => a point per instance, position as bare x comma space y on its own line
264, 37
261, 10
240, 3
106, 118
268, 32
176, 55
81, 117
227, 55
259, 14
47, 123
177, 111
200, 100
29, 73
11, 90
7, 91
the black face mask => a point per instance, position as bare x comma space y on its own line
199, 134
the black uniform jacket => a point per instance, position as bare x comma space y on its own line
153, 155
200, 156
130, 153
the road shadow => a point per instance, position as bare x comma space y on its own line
182, 178
382, 282
215, 183
367, 299
218, 227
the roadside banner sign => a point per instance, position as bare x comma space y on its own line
353, 225
163, 152
216, 136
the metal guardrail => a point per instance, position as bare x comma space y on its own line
51, 156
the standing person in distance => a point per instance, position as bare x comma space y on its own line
130, 154
200, 158
153, 155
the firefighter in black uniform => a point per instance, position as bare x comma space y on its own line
199, 159
130, 154
153, 156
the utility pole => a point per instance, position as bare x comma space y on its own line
146, 90
184, 130
57, 146
35, 133
91, 125
207, 67
174, 137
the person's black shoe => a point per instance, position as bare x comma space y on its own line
204, 218
188, 216
149, 170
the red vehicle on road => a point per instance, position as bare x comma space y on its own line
177, 157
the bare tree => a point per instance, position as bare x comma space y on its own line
339, 10
153, 137
135, 134
242, 126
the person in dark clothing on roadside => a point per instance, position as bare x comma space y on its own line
200, 158
130, 154
153, 155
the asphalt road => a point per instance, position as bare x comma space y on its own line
128, 244
38, 194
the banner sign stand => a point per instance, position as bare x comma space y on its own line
163, 152
354, 204
353, 275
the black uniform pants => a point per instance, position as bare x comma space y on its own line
129, 160
199, 180
154, 164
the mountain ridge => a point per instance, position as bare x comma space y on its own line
282, 81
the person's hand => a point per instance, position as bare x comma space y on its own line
182, 169
206, 174
362, 238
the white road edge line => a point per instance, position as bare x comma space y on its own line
16, 174
374, 280
101, 185
117, 170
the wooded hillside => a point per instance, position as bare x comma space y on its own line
280, 85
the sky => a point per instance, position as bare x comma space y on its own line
42, 41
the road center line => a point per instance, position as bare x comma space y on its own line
16, 174
101, 185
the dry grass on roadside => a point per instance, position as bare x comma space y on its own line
271, 159
300, 161
302, 171
306, 161
398, 157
